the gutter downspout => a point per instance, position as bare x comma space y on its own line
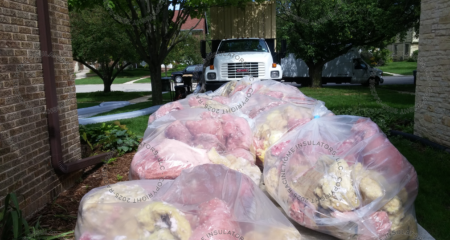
51, 98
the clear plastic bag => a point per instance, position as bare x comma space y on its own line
206, 202
272, 124
340, 175
192, 137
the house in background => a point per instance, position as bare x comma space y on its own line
200, 29
404, 50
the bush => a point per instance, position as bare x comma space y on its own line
376, 57
109, 138
414, 56
382, 57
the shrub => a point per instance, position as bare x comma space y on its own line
109, 138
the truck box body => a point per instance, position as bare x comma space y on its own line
339, 70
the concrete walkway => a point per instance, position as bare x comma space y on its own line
82, 74
394, 74
131, 82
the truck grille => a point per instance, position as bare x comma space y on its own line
230, 70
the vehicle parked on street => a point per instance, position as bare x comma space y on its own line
187, 74
347, 68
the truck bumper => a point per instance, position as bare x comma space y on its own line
213, 85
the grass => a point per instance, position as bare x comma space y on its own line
129, 108
402, 88
403, 68
122, 77
147, 80
111, 96
134, 107
85, 105
358, 96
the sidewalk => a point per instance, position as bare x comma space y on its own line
131, 82
82, 74
394, 74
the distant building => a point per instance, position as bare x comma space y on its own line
199, 30
404, 50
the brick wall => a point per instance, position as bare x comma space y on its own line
24, 146
433, 120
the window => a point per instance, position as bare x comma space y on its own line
248, 45
395, 49
407, 47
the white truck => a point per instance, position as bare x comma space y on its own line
347, 68
239, 57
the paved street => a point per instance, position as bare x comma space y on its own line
140, 87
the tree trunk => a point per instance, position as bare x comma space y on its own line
155, 75
315, 74
106, 86
165, 69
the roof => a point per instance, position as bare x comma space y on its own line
191, 22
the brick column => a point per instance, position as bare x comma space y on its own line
432, 121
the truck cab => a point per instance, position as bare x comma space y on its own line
239, 57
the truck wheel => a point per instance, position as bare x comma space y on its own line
178, 79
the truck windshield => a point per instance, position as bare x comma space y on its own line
248, 45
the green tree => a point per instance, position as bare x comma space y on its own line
319, 31
153, 27
96, 38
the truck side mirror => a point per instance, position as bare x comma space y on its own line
203, 48
283, 48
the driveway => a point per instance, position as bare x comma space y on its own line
141, 87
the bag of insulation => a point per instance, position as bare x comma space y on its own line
340, 175
272, 124
218, 100
205, 202
191, 137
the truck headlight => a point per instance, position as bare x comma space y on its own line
211, 75
275, 74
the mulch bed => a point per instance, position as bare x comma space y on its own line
61, 215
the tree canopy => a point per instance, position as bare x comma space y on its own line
98, 38
319, 31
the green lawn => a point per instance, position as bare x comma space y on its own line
403, 68
401, 88
129, 108
147, 80
100, 97
89, 104
122, 77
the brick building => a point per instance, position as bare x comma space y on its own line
432, 121
39, 140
